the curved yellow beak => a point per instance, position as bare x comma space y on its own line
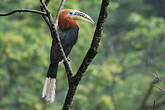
78, 15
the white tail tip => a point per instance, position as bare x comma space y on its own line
49, 89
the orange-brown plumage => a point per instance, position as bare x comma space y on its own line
65, 21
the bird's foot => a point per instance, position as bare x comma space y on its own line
68, 59
63, 60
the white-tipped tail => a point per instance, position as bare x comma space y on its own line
49, 89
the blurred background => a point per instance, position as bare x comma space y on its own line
121, 77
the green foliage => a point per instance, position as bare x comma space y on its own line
132, 50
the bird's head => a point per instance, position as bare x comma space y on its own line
68, 17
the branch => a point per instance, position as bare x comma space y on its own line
47, 12
96, 40
62, 5
149, 92
55, 35
24, 10
60, 8
89, 56
46, 19
95, 43
156, 106
160, 89
47, 2
160, 79
66, 62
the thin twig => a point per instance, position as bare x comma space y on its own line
45, 17
46, 20
60, 8
62, 5
160, 89
23, 10
159, 79
47, 11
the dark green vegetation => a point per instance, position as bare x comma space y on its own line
132, 51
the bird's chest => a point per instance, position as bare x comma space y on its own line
69, 37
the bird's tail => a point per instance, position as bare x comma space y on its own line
50, 83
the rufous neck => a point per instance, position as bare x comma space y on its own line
66, 23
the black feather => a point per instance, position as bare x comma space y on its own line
68, 40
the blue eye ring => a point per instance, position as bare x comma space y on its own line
70, 13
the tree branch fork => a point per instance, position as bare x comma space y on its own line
73, 80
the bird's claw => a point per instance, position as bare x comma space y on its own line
63, 60
68, 59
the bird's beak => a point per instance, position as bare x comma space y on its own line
78, 15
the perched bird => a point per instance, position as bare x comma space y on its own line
68, 32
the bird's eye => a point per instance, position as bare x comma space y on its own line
70, 13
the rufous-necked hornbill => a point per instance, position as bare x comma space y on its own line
68, 32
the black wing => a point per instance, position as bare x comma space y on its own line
68, 39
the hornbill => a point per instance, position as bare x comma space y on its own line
68, 33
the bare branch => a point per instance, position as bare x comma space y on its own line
24, 10
55, 35
62, 5
95, 43
149, 92
46, 19
159, 79
156, 106
89, 56
47, 11
60, 8
160, 89
47, 2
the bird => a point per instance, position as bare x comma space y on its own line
68, 32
